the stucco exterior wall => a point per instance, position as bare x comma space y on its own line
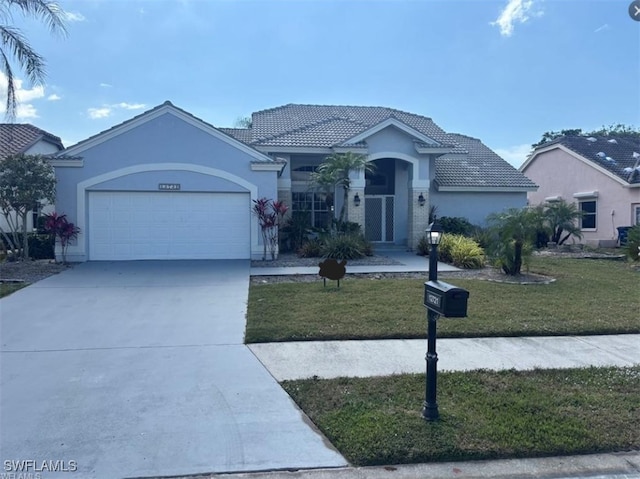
560, 174
475, 206
165, 149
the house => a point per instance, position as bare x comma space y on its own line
417, 165
599, 173
168, 185
24, 138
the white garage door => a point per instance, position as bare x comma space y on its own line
168, 225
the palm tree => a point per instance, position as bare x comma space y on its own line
334, 172
514, 229
562, 217
14, 45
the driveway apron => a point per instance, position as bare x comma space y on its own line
134, 369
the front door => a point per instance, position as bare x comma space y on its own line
379, 218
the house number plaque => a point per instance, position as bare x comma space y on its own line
169, 186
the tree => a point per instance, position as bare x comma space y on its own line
26, 181
14, 45
243, 122
61, 228
334, 172
562, 218
514, 230
618, 130
269, 214
552, 135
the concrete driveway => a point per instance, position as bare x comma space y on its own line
134, 369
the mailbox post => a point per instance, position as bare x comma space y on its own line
444, 299
430, 407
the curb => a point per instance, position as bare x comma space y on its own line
623, 465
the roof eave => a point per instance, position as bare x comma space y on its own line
487, 189
294, 149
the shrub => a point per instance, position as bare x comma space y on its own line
423, 247
295, 231
348, 227
456, 225
483, 236
310, 249
345, 247
633, 243
461, 251
42, 246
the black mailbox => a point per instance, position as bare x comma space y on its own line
446, 299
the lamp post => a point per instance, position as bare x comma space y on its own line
430, 408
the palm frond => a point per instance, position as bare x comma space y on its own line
49, 12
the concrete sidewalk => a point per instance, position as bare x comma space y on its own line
330, 359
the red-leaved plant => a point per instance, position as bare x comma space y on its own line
269, 214
62, 229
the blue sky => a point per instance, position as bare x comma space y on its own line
504, 71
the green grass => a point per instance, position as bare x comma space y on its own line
483, 415
7, 288
589, 297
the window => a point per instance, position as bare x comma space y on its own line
636, 215
314, 203
588, 209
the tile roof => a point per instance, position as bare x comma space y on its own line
617, 158
240, 134
16, 138
481, 167
331, 125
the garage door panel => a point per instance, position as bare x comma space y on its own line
168, 225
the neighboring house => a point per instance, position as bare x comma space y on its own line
417, 165
23, 138
601, 174
166, 184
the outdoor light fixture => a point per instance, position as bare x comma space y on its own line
421, 200
356, 200
434, 235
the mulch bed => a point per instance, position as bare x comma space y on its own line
29, 271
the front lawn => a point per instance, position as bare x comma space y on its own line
7, 288
589, 297
483, 415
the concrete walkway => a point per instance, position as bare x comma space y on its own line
408, 262
330, 359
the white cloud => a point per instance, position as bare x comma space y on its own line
23, 96
107, 110
515, 155
54, 97
516, 11
131, 106
602, 28
26, 110
96, 113
74, 17
106, 85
